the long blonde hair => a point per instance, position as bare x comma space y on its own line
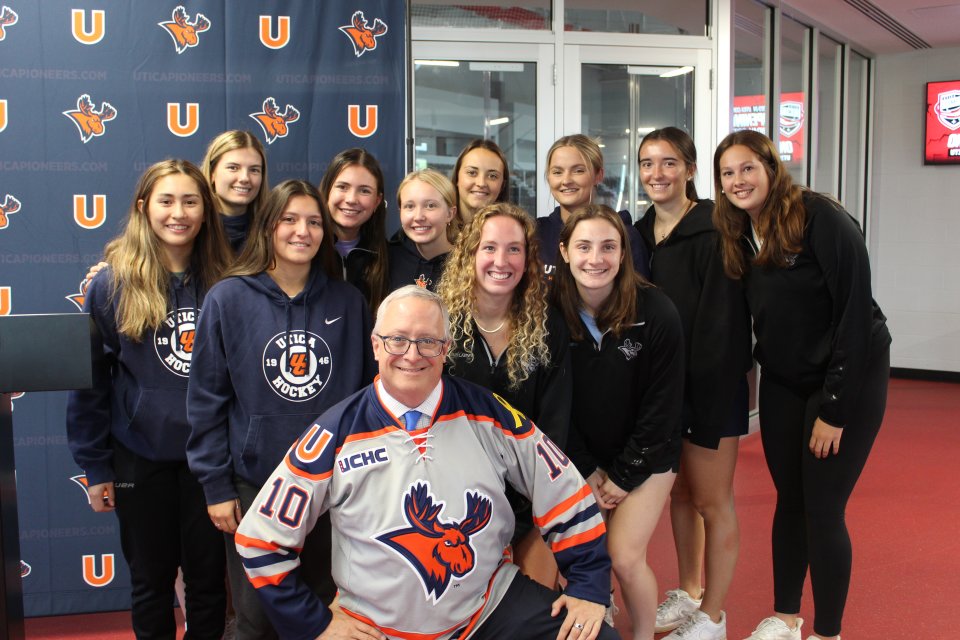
231, 141
527, 348
139, 274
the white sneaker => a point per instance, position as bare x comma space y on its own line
816, 638
674, 610
699, 626
773, 628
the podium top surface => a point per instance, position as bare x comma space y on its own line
45, 352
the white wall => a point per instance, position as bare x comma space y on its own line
914, 222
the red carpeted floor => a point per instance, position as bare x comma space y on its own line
904, 518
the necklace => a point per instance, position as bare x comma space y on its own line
664, 234
500, 326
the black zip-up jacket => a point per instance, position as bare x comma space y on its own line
816, 323
716, 322
407, 266
628, 396
355, 265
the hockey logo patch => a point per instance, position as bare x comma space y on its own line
173, 340
436, 550
297, 365
630, 349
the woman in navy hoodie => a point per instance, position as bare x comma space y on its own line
429, 225
279, 342
129, 432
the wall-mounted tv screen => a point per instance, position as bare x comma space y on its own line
942, 133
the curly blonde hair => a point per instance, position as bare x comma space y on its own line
527, 348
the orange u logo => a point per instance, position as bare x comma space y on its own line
3, 115
5, 301
353, 121
174, 123
266, 32
85, 219
307, 452
90, 575
79, 26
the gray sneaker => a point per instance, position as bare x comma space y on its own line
674, 610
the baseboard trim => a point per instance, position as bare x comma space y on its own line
924, 374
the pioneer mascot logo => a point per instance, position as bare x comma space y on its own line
185, 33
8, 18
297, 365
274, 123
363, 37
89, 121
173, 340
78, 25
437, 550
100, 578
80, 296
10, 206
267, 38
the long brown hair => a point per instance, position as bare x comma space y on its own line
492, 147
620, 308
683, 143
373, 233
527, 348
782, 218
231, 141
259, 254
139, 274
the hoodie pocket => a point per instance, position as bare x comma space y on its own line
268, 439
159, 421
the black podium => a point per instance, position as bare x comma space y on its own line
47, 352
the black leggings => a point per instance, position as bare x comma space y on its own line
808, 526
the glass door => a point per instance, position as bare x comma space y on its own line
619, 94
484, 90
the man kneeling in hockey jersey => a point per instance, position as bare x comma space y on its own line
413, 470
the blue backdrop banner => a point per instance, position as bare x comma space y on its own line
94, 92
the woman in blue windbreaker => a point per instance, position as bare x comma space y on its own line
129, 432
281, 339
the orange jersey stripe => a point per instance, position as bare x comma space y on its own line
313, 477
256, 543
580, 538
271, 581
561, 507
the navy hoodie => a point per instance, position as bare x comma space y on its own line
407, 266
237, 229
548, 233
266, 366
139, 388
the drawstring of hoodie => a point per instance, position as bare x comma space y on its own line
288, 313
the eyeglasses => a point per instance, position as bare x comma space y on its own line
399, 345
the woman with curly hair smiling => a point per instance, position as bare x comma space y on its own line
506, 338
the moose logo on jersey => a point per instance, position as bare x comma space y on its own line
363, 37
437, 550
297, 365
274, 123
173, 340
8, 18
185, 33
10, 205
88, 120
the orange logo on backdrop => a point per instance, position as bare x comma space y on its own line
8, 18
266, 32
6, 298
79, 26
3, 115
183, 31
88, 120
80, 296
82, 482
353, 120
174, 119
10, 206
89, 220
274, 123
363, 37
106, 575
